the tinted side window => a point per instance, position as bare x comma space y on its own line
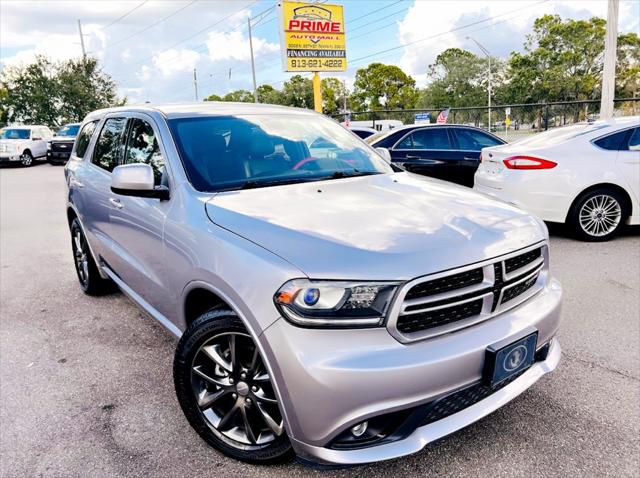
84, 137
469, 139
612, 142
109, 146
634, 141
142, 147
432, 138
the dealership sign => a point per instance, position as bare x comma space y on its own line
312, 37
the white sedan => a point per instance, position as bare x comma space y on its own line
586, 175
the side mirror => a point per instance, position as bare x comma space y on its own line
384, 152
36, 138
136, 180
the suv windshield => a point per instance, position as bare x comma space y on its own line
236, 152
15, 133
69, 130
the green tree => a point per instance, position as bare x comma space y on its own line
239, 96
458, 78
83, 87
55, 93
298, 92
334, 94
213, 97
269, 95
384, 86
563, 61
628, 65
4, 94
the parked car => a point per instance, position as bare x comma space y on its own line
449, 152
24, 144
324, 302
362, 131
585, 175
59, 147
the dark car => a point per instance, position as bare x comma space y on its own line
448, 152
60, 146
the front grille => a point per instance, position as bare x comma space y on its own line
62, 147
438, 317
520, 261
445, 284
482, 292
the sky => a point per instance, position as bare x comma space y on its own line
151, 48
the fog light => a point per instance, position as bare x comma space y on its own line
359, 429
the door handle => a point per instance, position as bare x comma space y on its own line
74, 182
412, 157
469, 158
116, 202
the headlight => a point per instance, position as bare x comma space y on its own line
335, 303
48, 145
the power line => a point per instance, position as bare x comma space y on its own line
149, 27
121, 17
374, 11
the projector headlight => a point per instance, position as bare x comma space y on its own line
335, 303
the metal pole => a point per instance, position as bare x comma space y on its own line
195, 83
84, 52
609, 71
489, 101
317, 92
253, 64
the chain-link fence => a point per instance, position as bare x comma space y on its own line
523, 118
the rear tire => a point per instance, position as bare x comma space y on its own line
86, 268
598, 215
225, 390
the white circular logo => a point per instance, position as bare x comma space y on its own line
515, 358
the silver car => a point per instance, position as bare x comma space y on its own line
325, 303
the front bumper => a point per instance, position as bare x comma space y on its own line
331, 380
6, 157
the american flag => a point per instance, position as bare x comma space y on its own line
442, 117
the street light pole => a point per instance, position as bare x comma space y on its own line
253, 65
609, 71
486, 52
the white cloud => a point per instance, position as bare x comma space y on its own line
173, 61
235, 46
511, 21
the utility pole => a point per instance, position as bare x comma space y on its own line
253, 64
486, 52
609, 72
84, 52
195, 83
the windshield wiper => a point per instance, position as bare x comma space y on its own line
355, 173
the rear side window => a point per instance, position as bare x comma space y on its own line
612, 142
433, 138
83, 139
110, 143
472, 140
142, 147
634, 141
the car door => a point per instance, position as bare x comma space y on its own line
94, 180
468, 143
38, 144
137, 223
628, 162
427, 151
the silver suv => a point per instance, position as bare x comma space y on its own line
326, 303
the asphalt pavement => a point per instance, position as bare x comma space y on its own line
86, 387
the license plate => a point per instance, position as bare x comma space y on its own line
504, 360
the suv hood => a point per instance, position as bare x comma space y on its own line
63, 139
382, 227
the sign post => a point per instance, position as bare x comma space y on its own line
312, 39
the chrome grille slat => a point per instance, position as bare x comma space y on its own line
486, 289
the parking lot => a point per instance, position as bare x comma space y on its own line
86, 386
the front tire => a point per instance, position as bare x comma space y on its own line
225, 390
598, 215
86, 268
26, 159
